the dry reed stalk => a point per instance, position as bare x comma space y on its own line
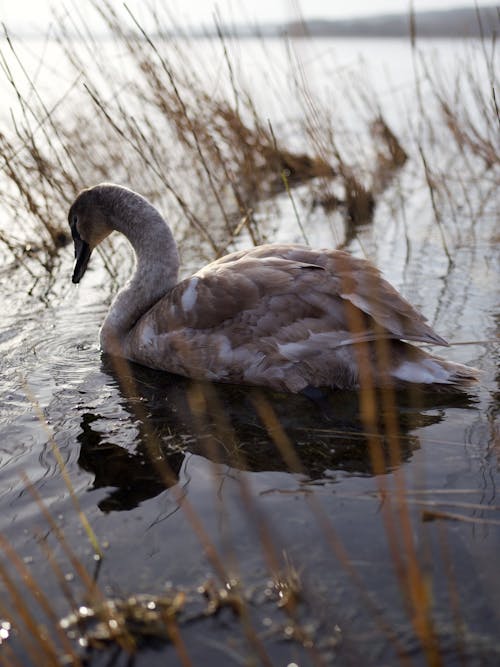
175, 637
230, 147
204, 402
415, 583
58, 572
226, 146
432, 515
153, 447
289, 455
64, 473
198, 402
93, 592
205, 406
35, 640
397, 521
285, 174
42, 601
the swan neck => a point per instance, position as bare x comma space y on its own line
157, 265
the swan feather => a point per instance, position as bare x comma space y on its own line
281, 315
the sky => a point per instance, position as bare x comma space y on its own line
36, 14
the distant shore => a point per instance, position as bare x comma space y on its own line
451, 23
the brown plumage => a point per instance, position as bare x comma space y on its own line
282, 316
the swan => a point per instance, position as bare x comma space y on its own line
283, 316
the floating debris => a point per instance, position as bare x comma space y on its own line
229, 595
127, 622
132, 622
5, 630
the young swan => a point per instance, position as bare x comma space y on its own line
283, 316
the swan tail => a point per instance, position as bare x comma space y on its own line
429, 370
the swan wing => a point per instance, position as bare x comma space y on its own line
286, 317
287, 295
328, 281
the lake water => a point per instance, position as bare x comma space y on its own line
185, 484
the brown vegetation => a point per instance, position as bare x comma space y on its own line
162, 136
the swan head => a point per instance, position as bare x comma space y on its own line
89, 221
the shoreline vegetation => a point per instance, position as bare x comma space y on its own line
160, 115
455, 23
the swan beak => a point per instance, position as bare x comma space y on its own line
82, 255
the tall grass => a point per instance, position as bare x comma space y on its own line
161, 128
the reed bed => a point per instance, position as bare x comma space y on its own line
160, 130
154, 126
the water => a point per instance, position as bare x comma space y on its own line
169, 473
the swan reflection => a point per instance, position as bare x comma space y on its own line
246, 429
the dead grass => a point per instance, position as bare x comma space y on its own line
161, 131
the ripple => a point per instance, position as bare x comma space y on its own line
63, 350
48, 354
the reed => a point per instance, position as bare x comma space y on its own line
162, 117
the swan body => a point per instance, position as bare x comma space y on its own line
283, 316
